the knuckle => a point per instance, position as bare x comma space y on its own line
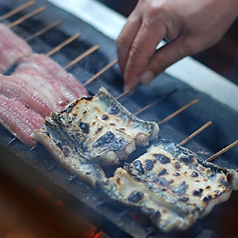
160, 64
191, 46
135, 51
156, 10
138, 53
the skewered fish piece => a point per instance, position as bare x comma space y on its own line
12, 87
66, 153
19, 120
43, 74
171, 185
12, 48
102, 128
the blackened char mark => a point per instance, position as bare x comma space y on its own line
198, 192
114, 110
104, 117
181, 189
84, 127
110, 140
162, 172
99, 129
135, 196
107, 138
162, 159
149, 164
117, 144
207, 199
138, 166
163, 182
183, 199
187, 159
195, 174
70, 107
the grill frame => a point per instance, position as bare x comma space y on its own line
22, 163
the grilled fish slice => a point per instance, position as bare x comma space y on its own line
102, 128
66, 153
170, 185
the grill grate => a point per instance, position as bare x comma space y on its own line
98, 69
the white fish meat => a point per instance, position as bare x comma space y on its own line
102, 128
170, 185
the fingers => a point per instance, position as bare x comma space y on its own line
163, 58
136, 45
185, 23
126, 38
141, 51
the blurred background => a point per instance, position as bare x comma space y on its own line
222, 57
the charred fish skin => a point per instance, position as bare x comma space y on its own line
68, 155
116, 112
181, 177
172, 181
124, 191
105, 130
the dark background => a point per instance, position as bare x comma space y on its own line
222, 57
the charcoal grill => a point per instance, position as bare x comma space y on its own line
21, 162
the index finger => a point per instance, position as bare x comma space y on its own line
141, 51
126, 38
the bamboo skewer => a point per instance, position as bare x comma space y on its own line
155, 102
16, 10
195, 133
99, 73
64, 43
45, 29
168, 117
123, 94
83, 55
25, 17
198, 131
178, 111
222, 151
147, 107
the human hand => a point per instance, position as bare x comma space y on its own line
190, 27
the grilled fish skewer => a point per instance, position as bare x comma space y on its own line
170, 185
102, 128
62, 148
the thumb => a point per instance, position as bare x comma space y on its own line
163, 58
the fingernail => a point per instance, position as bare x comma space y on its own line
128, 90
147, 77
